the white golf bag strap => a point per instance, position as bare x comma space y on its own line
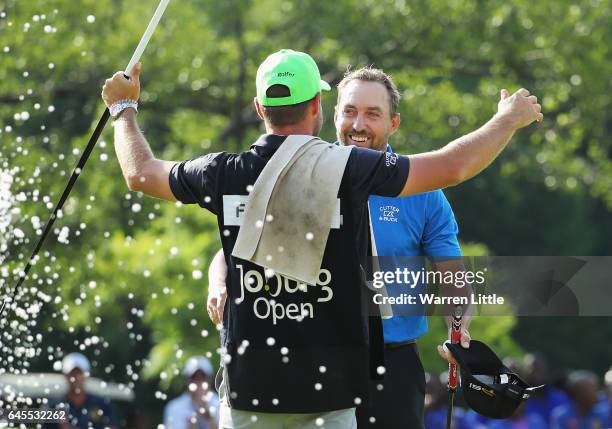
386, 312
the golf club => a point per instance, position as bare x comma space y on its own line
90, 146
453, 378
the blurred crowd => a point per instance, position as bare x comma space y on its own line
196, 408
578, 400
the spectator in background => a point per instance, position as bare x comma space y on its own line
198, 407
585, 410
520, 420
543, 401
83, 409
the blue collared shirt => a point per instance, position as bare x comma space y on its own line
417, 225
567, 417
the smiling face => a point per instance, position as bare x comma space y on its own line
363, 115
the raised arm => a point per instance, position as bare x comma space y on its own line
467, 156
141, 170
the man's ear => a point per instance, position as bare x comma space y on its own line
395, 123
258, 109
316, 104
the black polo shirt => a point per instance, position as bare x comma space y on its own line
293, 348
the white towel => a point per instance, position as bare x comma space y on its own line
386, 311
290, 208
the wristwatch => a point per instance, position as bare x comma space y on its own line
118, 107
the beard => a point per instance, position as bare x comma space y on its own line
372, 141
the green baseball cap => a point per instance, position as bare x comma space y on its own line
295, 70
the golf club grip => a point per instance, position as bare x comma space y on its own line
73, 178
144, 40
455, 338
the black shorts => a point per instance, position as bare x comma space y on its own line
401, 401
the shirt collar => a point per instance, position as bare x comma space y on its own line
267, 144
389, 148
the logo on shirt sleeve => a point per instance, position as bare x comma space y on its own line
390, 159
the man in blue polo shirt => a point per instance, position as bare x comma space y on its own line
405, 229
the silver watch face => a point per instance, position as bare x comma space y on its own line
116, 108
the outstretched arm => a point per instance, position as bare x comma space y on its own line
141, 170
467, 156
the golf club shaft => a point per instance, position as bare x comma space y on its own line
453, 379
73, 178
144, 40
449, 412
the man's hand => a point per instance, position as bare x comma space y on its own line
465, 343
216, 303
119, 88
520, 108
217, 290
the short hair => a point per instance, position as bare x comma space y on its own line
284, 115
580, 376
371, 74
